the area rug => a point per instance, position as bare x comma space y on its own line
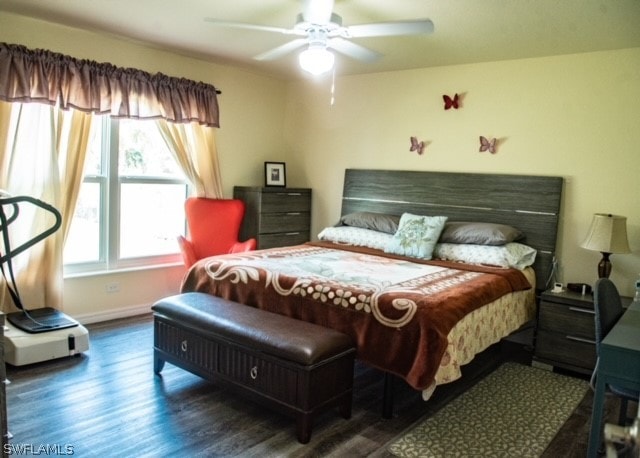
513, 412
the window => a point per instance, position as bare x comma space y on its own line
130, 206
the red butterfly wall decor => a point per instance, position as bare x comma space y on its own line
488, 145
416, 146
450, 102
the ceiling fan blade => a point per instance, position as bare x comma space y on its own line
244, 25
317, 11
410, 27
354, 50
281, 50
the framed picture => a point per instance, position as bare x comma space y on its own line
275, 174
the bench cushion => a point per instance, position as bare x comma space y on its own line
286, 338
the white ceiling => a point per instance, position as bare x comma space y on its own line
466, 31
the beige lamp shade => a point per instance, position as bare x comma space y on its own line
607, 234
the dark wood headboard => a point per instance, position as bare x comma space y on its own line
529, 203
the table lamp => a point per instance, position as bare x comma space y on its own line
608, 235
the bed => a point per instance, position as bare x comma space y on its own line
419, 319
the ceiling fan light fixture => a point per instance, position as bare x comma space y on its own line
316, 60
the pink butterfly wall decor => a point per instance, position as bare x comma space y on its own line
451, 102
416, 146
488, 145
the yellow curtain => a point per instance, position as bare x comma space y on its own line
194, 147
5, 116
72, 148
49, 167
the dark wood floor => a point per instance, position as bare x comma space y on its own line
108, 402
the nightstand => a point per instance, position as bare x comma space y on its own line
275, 216
565, 334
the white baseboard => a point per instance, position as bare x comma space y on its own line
114, 314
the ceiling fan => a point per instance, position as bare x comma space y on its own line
320, 29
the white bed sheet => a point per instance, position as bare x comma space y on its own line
482, 328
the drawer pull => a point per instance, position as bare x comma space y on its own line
183, 345
580, 339
294, 213
581, 310
254, 372
292, 233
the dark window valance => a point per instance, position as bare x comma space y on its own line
43, 76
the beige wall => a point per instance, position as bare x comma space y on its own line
574, 116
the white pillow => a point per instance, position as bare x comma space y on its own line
515, 255
356, 236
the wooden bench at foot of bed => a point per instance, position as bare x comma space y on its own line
295, 367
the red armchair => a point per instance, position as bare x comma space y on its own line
214, 225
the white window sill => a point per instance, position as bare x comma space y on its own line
98, 273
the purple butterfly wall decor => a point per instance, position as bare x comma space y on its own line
416, 146
488, 145
451, 102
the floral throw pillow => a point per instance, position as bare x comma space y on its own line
416, 235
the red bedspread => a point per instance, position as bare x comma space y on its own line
398, 311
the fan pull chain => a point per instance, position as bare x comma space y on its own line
332, 101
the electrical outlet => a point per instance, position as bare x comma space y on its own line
111, 288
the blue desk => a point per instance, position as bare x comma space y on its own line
619, 365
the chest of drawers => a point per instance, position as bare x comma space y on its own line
275, 216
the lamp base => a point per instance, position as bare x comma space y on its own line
604, 266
